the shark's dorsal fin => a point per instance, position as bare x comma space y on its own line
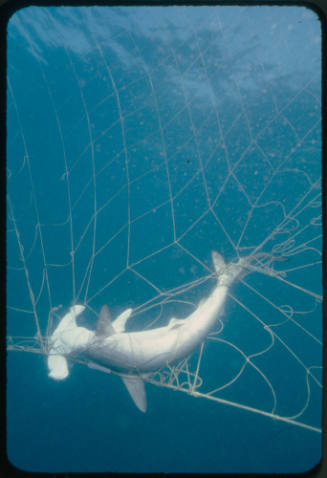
136, 389
104, 325
119, 323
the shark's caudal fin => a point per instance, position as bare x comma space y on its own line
218, 262
227, 273
136, 389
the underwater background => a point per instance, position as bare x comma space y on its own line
139, 139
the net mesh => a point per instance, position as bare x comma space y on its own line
159, 144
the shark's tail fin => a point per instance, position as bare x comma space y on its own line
227, 273
218, 262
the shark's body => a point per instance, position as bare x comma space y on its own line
134, 354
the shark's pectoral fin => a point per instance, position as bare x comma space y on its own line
104, 325
136, 389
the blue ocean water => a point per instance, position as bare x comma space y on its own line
139, 140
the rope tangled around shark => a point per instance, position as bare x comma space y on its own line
134, 354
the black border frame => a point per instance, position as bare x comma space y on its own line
7, 9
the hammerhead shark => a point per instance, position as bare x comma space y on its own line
135, 354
